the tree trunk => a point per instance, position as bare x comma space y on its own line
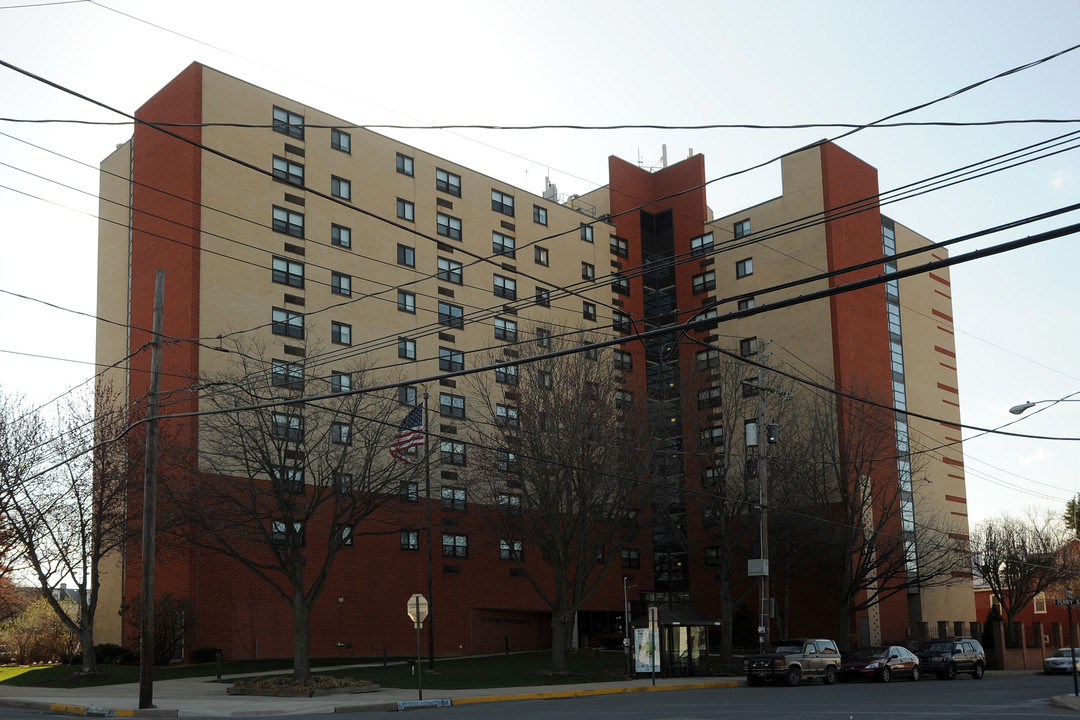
89, 656
843, 617
561, 627
727, 616
301, 640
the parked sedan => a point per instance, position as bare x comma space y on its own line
1061, 661
880, 663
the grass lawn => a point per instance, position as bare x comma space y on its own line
483, 672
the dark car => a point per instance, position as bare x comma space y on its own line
880, 663
946, 657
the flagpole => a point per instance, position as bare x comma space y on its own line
430, 580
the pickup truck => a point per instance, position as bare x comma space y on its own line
793, 660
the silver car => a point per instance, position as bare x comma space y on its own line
1062, 661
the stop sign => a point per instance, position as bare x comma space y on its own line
417, 608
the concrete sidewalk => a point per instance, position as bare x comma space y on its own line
197, 696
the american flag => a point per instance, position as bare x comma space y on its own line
410, 435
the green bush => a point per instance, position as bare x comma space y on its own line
204, 655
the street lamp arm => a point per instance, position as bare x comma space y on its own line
1022, 407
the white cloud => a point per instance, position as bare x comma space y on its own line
1059, 180
1037, 457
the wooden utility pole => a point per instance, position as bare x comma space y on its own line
146, 629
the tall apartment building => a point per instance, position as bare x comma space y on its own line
311, 238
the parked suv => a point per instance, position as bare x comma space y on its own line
793, 660
948, 656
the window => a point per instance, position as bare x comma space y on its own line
288, 222
406, 256
707, 359
341, 284
409, 491
621, 322
288, 272
712, 556
341, 333
406, 301
708, 398
588, 271
701, 245
406, 349
505, 329
619, 247
410, 539
509, 503
704, 282
748, 346
452, 453
340, 140
750, 387
451, 315
746, 303
540, 255
287, 375
346, 537
506, 415
340, 382
742, 229
450, 271
539, 215
340, 236
587, 233
453, 498
406, 394
710, 476
452, 406
543, 297
404, 164
620, 286
286, 322
543, 337
623, 360
502, 202
591, 353
510, 550
624, 399
744, 268
546, 380
588, 310
711, 436
340, 433
405, 210
1039, 603
288, 171
505, 287
507, 461
502, 244
343, 483
289, 478
288, 123
507, 375
448, 226
279, 533
631, 558
451, 359
284, 426
340, 188
448, 182
454, 545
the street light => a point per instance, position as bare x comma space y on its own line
1022, 407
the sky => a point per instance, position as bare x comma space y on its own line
584, 62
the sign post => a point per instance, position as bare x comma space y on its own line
418, 611
1068, 602
654, 627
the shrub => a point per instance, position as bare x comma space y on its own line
204, 655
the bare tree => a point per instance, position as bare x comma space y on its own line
282, 490
563, 457
1020, 557
729, 500
66, 505
855, 521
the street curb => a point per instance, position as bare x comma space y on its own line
87, 710
591, 692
